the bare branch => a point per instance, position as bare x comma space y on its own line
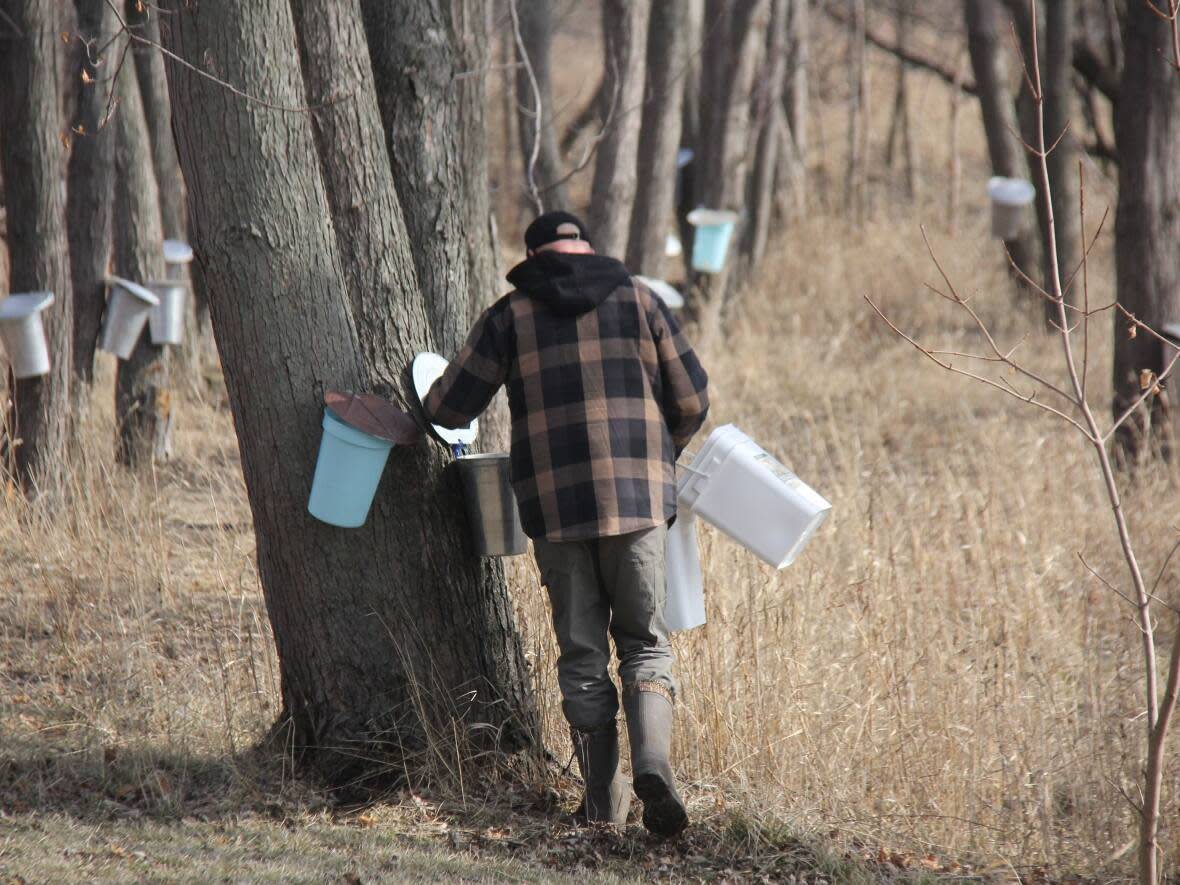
530, 172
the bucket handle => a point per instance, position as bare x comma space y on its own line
693, 470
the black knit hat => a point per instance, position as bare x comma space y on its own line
553, 226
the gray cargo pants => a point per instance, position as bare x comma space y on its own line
602, 585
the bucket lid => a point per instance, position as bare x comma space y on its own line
177, 252
704, 217
426, 369
373, 415
666, 291
24, 304
1011, 191
673, 248
140, 292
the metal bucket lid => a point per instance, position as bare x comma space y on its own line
373, 415
140, 292
177, 252
24, 304
426, 369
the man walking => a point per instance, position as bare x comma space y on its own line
605, 392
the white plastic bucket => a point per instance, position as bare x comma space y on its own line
24, 333
737, 486
1009, 198
127, 312
710, 241
684, 604
166, 319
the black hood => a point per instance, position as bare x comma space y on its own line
569, 284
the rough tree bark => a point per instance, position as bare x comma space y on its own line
32, 161
1147, 224
791, 174
143, 400
428, 59
690, 128
988, 51
90, 188
770, 120
546, 174
659, 137
392, 634
612, 192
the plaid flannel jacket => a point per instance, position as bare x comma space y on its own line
602, 399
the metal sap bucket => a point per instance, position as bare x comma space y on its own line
491, 505
166, 320
24, 333
177, 256
1010, 198
127, 311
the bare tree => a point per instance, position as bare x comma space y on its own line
1147, 223
771, 123
791, 175
90, 183
143, 400
659, 137
988, 51
543, 169
612, 194
390, 633
32, 162
856, 171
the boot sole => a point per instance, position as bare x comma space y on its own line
663, 812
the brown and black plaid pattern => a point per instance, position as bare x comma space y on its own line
602, 403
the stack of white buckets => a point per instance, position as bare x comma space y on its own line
739, 487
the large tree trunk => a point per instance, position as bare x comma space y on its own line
391, 635
988, 52
143, 400
612, 193
543, 172
33, 164
659, 138
690, 129
771, 123
90, 190
428, 59
1147, 224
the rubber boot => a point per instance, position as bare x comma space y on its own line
608, 794
649, 725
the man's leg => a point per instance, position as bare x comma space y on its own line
633, 572
581, 616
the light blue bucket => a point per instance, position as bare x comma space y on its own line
710, 242
347, 472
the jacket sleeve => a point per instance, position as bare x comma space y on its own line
684, 384
471, 380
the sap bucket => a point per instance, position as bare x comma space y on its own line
684, 605
737, 486
1009, 198
177, 256
710, 242
359, 432
491, 505
24, 333
127, 312
166, 320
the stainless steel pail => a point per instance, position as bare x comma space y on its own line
491, 505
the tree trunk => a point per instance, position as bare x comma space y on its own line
428, 60
612, 193
143, 401
791, 174
988, 62
899, 124
771, 124
1063, 159
544, 172
1147, 225
687, 191
33, 165
856, 174
90, 189
391, 637
659, 138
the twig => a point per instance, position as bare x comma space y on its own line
530, 169
139, 38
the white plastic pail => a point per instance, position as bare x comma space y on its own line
24, 333
737, 486
1009, 198
684, 606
